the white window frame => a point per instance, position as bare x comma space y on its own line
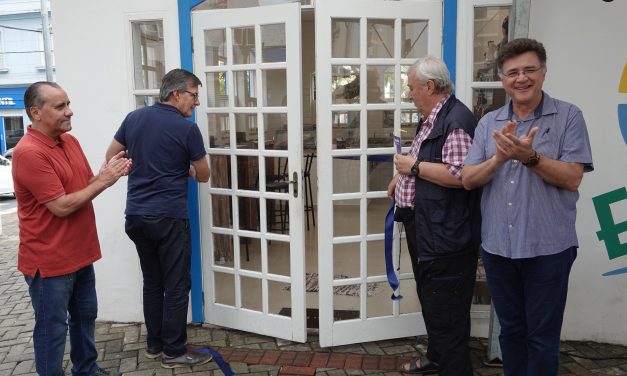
170, 46
465, 45
2, 58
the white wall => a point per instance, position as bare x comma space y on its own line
586, 49
93, 57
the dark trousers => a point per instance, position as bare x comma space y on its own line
445, 288
529, 296
164, 248
62, 302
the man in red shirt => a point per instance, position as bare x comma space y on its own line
54, 186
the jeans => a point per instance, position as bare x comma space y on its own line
164, 248
59, 301
445, 287
529, 296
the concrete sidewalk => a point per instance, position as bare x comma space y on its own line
121, 346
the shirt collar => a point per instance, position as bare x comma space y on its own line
436, 109
547, 106
168, 107
39, 136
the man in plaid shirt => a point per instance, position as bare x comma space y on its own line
442, 220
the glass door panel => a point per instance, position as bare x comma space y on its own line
366, 61
252, 222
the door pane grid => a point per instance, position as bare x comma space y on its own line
238, 140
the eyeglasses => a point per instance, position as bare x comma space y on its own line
512, 74
194, 95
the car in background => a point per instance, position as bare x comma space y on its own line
8, 154
6, 178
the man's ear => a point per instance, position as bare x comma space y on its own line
34, 113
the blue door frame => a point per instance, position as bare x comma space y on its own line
449, 55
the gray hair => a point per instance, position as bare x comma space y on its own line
431, 68
33, 97
177, 79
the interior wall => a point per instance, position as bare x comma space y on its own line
93, 63
585, 43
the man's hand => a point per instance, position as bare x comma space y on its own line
115, 168
508, 146
404, 163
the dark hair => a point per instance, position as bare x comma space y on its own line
518, 47
177, 79
33, 97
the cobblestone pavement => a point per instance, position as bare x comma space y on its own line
121, 345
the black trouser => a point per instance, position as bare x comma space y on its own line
164, 248
445, 288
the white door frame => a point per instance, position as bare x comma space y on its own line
363, 329
236, 316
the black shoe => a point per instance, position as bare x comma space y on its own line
104, 372
153, 352
190, 358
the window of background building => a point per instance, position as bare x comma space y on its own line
41, 48
148, 61
13, 130
2, 61
491, 28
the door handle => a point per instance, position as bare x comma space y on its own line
294, 181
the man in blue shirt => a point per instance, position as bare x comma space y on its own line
162, 142
529, 156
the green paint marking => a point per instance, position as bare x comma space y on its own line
610, 230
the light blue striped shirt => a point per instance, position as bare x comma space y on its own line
523, 216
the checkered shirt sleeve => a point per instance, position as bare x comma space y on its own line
454, 151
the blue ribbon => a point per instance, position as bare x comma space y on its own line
389, 262
224, 366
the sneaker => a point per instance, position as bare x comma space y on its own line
104, 372
153, 352
191, 358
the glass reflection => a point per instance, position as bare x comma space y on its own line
274, 87
244, 45
414, 38
405, 84
491, 25
381, 38
222, 211
248, 213
216, 90
148, 54
251, 293
215, 47
220, 171
276, 131
223, 249
380, 83
380, 172
245, 90
345, 84
145, 100
344, 37
346, 260
246, 131
380, 128
486, 100
345, 129
409, 125
343, 209
218, 130
247, 173
273, 43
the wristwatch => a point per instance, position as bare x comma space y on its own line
415, 169
533, 160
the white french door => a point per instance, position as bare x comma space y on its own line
252, 209
363, 51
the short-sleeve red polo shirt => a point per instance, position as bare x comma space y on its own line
44, 170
